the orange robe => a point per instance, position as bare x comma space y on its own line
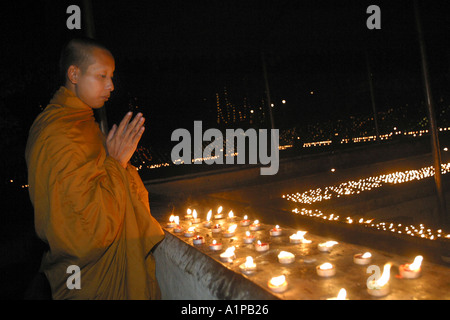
91, 211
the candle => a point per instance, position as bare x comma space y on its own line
194, 217
190, 232
207, 223
326, 270
261, 247
219, 214
286, 257
326, 246
245, 222
178, 228
188, 216
362, 259
216, 228
215, 246
230, 232
228, 255
230, 216
198, 240
255, 226
411, 271
248, 237
278, 284
275, 232
380, 287
298, 237
248, 266
342, 295
171, 223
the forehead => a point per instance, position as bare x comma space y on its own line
101, 59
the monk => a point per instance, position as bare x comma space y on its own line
90, 204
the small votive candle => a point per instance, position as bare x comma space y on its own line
189, 232
178, 228
245, 222
278, 284
285, 257
261, 247
342, 295
298, 238
230, 232
380, 287
276, 231
249, 238
207, 223
188, 216
230, 217
326, 246
216, 228
215, 246
195, 220
255, 226
228, 255
248, 266
198, 240
411, 271
326, 270
362, 258
171, 223
219, 214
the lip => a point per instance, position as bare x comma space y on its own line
106, 98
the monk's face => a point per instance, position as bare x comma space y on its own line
94, 84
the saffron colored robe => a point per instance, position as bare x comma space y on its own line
91, 211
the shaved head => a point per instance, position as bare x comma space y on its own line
78, 52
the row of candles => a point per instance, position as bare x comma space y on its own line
377, 287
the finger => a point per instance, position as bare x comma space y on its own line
137, 128
111, 132
124, 123
137, 121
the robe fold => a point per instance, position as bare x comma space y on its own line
92, 212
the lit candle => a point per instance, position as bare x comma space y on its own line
278, 284
260, 247
188, 216
194, 217
230, 216
245, 222
207, 223
411, 271
190, 232
326, 246
326, 270
276, 231
362, 259
230, 232
380, 287
342, 295
298, 238
198, 240
248, 237
171, 223
285, 257
216, 228
255, 226
219, 214
228, 255
178, 228
248, 266
215, 246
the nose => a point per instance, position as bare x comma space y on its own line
110, 85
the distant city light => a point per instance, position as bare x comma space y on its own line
283, 101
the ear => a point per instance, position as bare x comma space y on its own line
73, 73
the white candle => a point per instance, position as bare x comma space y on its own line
198, 240
178, 228
413, 270
326, 246
362, 259
248, 237
255, 226
248, 266
195, 220
298, 238
171, 223
380, 287
219, 214
276, 231
261, 247
326, 270
228, 255
188, 216
230, 232
342, 295
278, 284
216, 228
285, 257
207, 223
215, 246
245, 222
189, 232
230, 217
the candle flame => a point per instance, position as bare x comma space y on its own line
416, 264
214, 242
278, 281
258, 242
171, 218
189, 211
384, 279
176, 219
229, 252
247, 233
277, 227
328, 244
256, 222
194, 214
285, 254
245, 217
342, 295
230, 214
249, 262
326, 266
220, 209
208, 216
191, 229
366, 255
232, 228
